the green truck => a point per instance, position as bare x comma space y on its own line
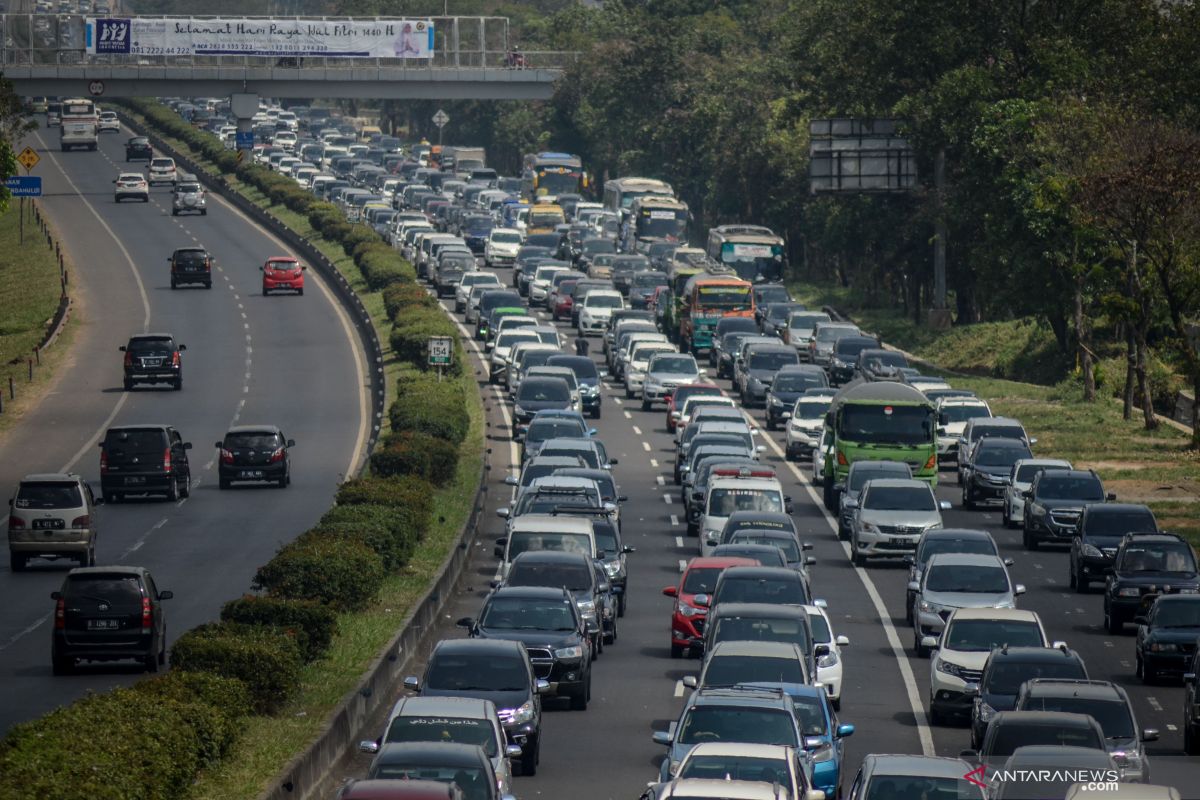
878, 421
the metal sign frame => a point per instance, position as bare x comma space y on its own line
852, 156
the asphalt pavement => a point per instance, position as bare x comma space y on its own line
285, 360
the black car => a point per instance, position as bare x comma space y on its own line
576, 573
522, 270
611, 554
254, 453
756, 373
779, 585
623, 269
109, 614
1055, 501
725, 326
643, 285
535, 394
191, 265
861, 472
1166, 637
144, 459
547, 622
491, 669
1006, 669
448, 275
465, 765
1009, 730
493, 299
943, 540
991, 462
843, 361
588, 378
153, 358
775, 317
1097, 536
1146, 566
764, 295
877, 364
138, 149
791, 382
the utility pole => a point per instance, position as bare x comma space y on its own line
939, 315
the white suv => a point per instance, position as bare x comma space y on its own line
162, 170
598, 306
742, 489
953, 413
502, 246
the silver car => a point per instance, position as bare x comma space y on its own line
189, 198
958, 580
915, 776
890, 516
664, 373
824, 336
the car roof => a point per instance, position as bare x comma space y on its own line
159, 335
765, 610
532, 592
384, 788
1087, 690
726, 562
766, 533
430, 754
464, 707
1058, 755
1114, 508
550, 523
1033, 654
1007, 614
488, 647
1042, 719
759, 572
738, 696
964, 560
957, 533
996, 422
726, 790
918, 766
550, 557
83, 572
897, 483
768, 516
42, 477
253, 429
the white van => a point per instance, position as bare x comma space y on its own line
544, 532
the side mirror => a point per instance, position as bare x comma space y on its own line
512, 751
121, 348
182, 347
542, 686
187, 445
512, 480
842, 640
760, 449
909, 561
166, 594
671, 591
810, 560
1189, 678
1150, 735
661, 737
412, 683
1019, 589
913, 586
622, 498
291, 442
1140, 619
787, 415
690, 681
821, 603
368, 746
821, 650
1033, 441
612, 462
813, 742
503, 513
941, 431
851, 502
465, 622
703, 373
1111, 496
711, 542
929, 642
806, 546
944, 505
1059, 645
219, 445
628, 549
845, 730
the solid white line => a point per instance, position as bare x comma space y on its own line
682, 564
893, 638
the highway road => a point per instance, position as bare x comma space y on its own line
291, 361
607, 752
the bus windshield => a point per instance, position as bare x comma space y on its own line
727, 297
762, 262
906, 426
654, 223
558, 180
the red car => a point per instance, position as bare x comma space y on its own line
675, 399
687, 618
561, 301
283, 274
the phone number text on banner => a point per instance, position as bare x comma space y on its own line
243, 36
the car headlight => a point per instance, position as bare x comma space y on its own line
587, 606
1189, 590
518, 411
688, 611
1163, 647
775, 401
830, 659
712, 534
823, 752
949, 668
1092, 551
524, 712
1128, 591
569, 652
1005, 604
870, 527
1128, 760
986, 713
612, 568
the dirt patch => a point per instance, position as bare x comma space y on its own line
1135, 491
1118, 465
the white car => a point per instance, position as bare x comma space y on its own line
639, 359
1019, 480
750, 490
818, 457
162, 170
953, 414
691, 407
598, 306
539, 286
469, 280
505, 341
502, 246
131, 185
805, 422
285, 140
829, 662
963, 648
109, 122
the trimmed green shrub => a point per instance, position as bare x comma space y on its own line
405, 523
398, 297
416, 453
392, 550
265, 660
336, 231
403, 491
411, 330
382, 268
358, 235
318, 623
227, 697
343, 574
427, 406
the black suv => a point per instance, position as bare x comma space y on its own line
1146, 566
153, 358
548, 623
496, 670
109, 614
843, 361
138, 149
991, 462
1191, 707
576, 573
1055, 502
191, 265
1006, 669
1166, 637
255, 453
780, 585
877, 364
1097, 536
144, 459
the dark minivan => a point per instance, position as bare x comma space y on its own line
255, 453
109, 614
144, 459
153, 358
191, 265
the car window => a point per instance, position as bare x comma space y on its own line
1009, 737
47, 495
133, 441
731, 670
149, 345
1061, 487
478, 732
117, 590
734, 724
900, 498
525, 613
1007, 676
966, 578
1157, 557
190, 257
781, 591
981, 635
477, 673
253, 441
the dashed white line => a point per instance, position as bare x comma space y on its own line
668, 499
654, 463
646, 446
627, 415
679, 688
1153, 701
661, 480
682, 564
679, 541
637, 431
674, 521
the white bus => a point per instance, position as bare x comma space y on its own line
80, 124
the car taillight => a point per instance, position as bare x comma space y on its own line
277, 456
226, 456
60, 614
129, 359
146, 620
15, 523
167, 460
175, 359
82, 522
932, 462
842, 459
103, 462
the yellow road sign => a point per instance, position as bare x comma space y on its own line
28, 158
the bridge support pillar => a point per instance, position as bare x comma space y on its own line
244, 105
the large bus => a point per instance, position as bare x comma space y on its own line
620, 193
552, 174
708, 297
878, 421
654, 218
80, 124
755, 253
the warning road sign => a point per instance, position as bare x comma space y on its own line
28, 158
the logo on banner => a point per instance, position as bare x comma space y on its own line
112, 36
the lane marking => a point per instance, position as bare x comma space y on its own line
654, 463
682, 564
674, 521
646, 446
637, 431
627, 415
668, 499
1153, 701
661, 480
679, 541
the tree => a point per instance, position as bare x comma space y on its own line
14, 124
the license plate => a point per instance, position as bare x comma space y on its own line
151, 362
250, 473
904, 540
134, 480
103, 624
42, 524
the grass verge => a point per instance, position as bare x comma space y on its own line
29, 294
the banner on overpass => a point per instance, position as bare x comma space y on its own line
245, 36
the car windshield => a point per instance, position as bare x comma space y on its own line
644, 353
509, 338
967, 578
860, 475
791, 551
187, 188
542, 429
476, 784
832, 333
737, 724
190, 257
1027, 472
1118, 523
981, 635
606, 540
799, 382
582, 367
563, 542
772, 361
937, 544
535, 471
118, 443
962, 413
1158, 557
736, 768
120, 591
1178, 614
47, 495
1007, 676
674, 365
594, 300
806, 321
162, 163
1057, 487
478, 732
762, 629
886, 360
572, 576
258, 440
540, 391
900, 498
998, 432
648, 280
545, 501
754, 589
1009, 737
1000, 456
894, 787
701, 580
1113, 716
723, 502
589, 455
732, 670
886, 425
528, 614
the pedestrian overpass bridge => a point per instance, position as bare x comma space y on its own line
469, 58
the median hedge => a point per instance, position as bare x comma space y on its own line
341, 573
267, 661
427, 405
317, 622
415, 453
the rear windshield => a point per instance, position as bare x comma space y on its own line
1119, 523
753, 589
1001, 456
701, 580
1010, 737
190, 256
736, 724
799, 382
444, 729
135, 441
967, 578
162, 162
254, 440
649, 279
900, 498
48, 494
732, 670
534, 390
772, 360
963, 413
1007, 677
572, 576
480, 673
188, 187
125, 589
937, 544
1066, 487
762, 629
812, 409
